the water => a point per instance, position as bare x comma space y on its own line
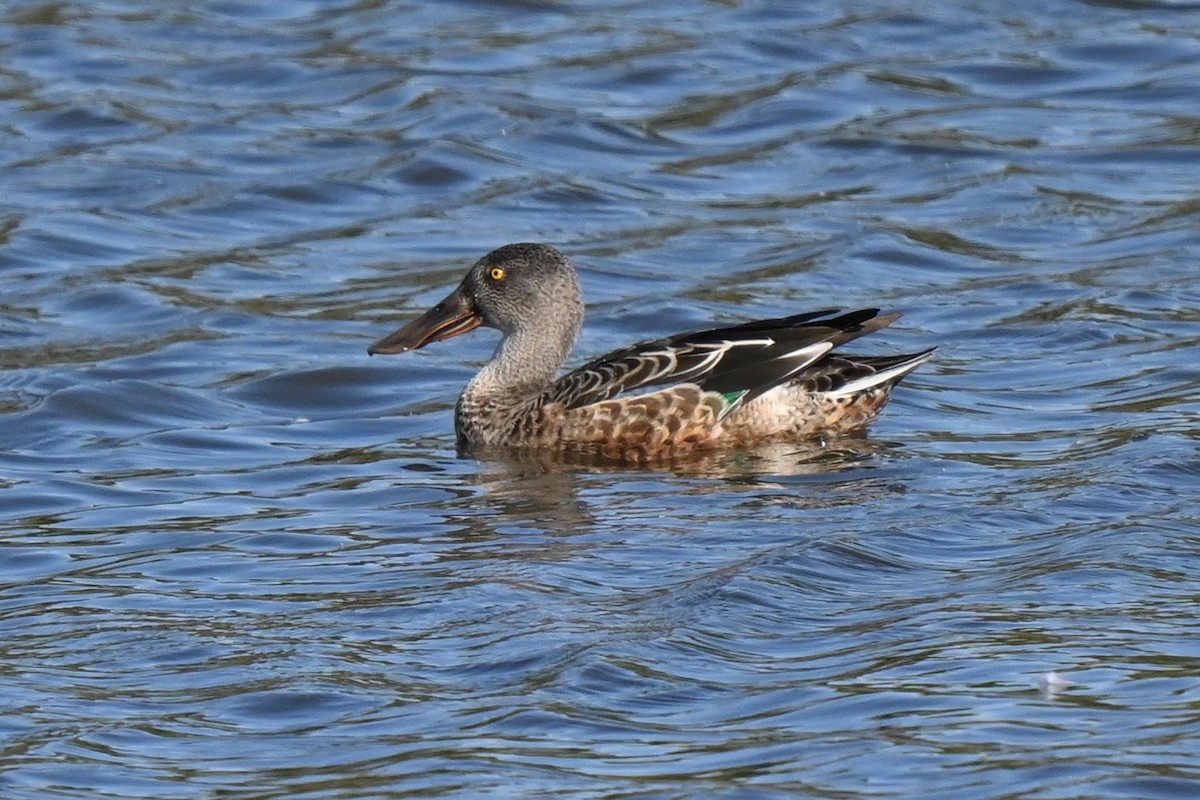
242, 560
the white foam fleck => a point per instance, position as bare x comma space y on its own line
1051, 684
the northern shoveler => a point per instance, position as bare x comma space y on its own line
761, 381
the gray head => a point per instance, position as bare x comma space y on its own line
525, 285
525, 290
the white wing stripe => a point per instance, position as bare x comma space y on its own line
806, 356
883, 376
717, 351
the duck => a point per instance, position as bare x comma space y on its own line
762, 381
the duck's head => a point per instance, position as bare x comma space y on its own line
517, 289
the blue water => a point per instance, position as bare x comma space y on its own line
241, 559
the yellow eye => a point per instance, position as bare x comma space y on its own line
497, 273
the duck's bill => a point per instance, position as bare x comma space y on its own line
452, 317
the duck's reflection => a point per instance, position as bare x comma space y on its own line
545, 490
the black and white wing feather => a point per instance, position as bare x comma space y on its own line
739, 362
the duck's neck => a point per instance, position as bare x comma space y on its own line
526, 361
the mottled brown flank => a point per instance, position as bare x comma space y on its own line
680, 421
652, 427
851, 413
792, 414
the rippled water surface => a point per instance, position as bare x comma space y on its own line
239, 559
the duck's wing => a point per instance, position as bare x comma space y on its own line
844, 374
739, 362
